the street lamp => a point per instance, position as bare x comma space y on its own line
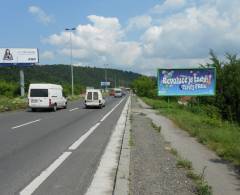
105, 65
70, 30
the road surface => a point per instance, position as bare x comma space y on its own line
54, 152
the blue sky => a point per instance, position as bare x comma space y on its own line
129, 34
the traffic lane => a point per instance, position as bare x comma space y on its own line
13, 139
26, 162
74, 176
15, 118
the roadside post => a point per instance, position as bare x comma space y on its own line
22, 83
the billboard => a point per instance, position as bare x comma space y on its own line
105, 83
18, 56
186, 82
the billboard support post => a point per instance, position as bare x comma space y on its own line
22, 83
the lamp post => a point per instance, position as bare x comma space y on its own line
70, 30
105, 65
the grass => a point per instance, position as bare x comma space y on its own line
18, 103
221, 136
174, 152
157, 128
184, 163
9, 104
130, 141
74, 97
202, 187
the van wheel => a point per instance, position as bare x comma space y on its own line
33, 109
54, 109
65, 107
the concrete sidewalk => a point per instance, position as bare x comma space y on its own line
220, 176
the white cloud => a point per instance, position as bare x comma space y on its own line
139, 22
179, 38
191, 33
47, 55
40, 14
99, 42
168, 5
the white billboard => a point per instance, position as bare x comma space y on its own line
19, 55
105, 83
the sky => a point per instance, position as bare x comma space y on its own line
131, 35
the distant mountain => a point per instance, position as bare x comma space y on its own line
61, 74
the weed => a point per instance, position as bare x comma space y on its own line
157, 128
130, 142
184, 163
174, 152
202, 187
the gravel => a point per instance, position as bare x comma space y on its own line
152, 167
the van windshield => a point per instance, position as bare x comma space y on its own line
39, 93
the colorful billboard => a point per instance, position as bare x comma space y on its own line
18, 56
186, 82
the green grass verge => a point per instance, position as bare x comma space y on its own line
221, 136
9, 104
18, 103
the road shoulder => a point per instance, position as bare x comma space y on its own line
218, 174
153, 168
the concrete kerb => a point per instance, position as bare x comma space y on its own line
122, 177
105, 178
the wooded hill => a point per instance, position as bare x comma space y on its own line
61, 74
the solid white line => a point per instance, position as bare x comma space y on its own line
29, 189
77, 143
28, 123
73, 109
103, 118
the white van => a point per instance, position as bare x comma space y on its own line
94, 98
118, 92
46, 96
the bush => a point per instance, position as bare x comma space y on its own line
8, 89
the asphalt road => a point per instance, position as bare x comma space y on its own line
36, 144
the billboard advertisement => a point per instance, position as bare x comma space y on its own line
186, 82
18, 55
105, 83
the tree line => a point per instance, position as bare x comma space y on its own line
60, 74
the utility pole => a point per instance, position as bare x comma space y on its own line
22, 83
70, 30
105, 77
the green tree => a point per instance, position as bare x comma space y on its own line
145, 86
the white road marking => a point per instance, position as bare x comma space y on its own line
103, 118
28, 123
73, 109
29, 189
77, 143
